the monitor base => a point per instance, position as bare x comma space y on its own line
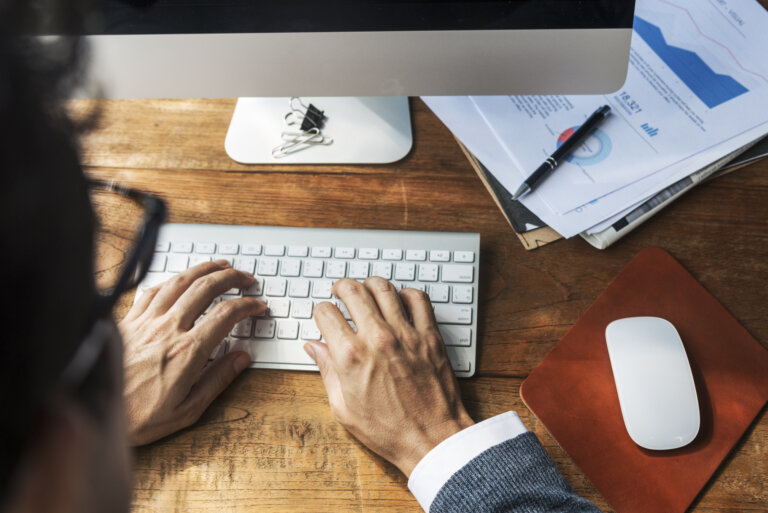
365, 130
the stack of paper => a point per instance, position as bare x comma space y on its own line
696, 92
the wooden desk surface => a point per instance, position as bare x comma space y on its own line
270, 444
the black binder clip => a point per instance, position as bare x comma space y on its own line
310, 121
306, 116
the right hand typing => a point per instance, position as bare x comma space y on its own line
390, 384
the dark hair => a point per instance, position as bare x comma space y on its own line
46, 228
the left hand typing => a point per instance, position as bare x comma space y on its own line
167, 383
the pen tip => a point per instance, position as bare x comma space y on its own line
520, 191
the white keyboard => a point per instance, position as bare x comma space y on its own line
296, 267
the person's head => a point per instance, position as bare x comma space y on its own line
62, 442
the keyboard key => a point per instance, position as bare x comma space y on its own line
267, 267
288, 330
198, 259
205, 248
290, 267
309, 331
321, 289
298, 288
158, 264
301, 309
232, 293
463, 293
335, 269
464, 256
229, 259
459, 364
243, 328
181, 247
428, 272
438, 293
215, 302
229, 249
276, 287
344, 253
298, 251
453, 314
313, 268
220, 350
416, 254
440, 255
456, 335
245, 264
257, 289
274, 250
177, 263
252, 249
458, 273
162, 247
279, 307
358, 270
392, 254
382, 269
340, 304
368, 253
265, 328
321, 252
152, 280
405, 272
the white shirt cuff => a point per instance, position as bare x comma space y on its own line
450, 455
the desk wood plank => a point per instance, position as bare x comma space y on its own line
270, 443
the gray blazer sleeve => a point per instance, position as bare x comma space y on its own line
514, 476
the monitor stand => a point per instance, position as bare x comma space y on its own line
365, 130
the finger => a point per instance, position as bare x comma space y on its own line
420, 307
332, 324
145, 298
172, 289
321, 355
388, 301
212, 382
216, 324
360, 303
193, 301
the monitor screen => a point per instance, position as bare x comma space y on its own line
228, 48
244, 16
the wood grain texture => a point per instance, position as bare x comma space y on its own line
270, 443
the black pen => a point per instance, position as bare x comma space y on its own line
563, 151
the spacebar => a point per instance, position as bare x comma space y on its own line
453, 314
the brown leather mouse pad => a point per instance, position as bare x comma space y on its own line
572, 391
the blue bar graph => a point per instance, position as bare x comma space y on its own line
711, 88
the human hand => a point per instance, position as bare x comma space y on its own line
390, 384
167, 383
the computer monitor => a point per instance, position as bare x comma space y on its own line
372, 49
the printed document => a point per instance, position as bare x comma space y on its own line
696, 90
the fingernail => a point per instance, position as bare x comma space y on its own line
241, 362
310, 350
222, 263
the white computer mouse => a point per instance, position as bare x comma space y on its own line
654, 382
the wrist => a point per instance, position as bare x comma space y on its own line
433, 436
